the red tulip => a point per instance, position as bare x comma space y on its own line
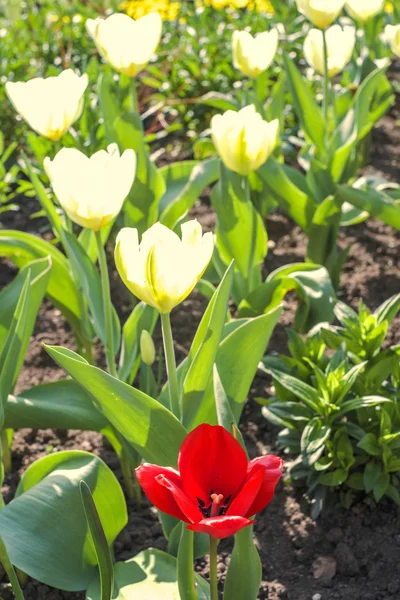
216, 489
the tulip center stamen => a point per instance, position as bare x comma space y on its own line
216, 504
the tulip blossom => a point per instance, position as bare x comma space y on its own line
126, 44
363, 10
321, 13
253, 55
392, 36
243, 139
216, 489
340, 45
163, 269
50, 106
91, 190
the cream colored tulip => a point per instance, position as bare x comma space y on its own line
243, 139
50, 106
91, 190
147, 349
253, 55
363, 10
392, 37
340, 45
321, 13
163, 269
126, 44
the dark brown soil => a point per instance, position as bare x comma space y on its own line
355, 552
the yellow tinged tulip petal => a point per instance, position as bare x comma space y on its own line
91, 190
163, 269
126, 44
340, 44
253, 55
321, 13
363, 10
243, 139
50, 106
392, 37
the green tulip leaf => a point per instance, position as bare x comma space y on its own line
45, 528
243, 577
151, 575
142, 317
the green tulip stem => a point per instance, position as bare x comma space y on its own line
171, 364
135, 103
326, 78
105, 283
213, 569
9, 569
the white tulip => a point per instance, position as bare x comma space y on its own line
243, 139
163, 269
91, 190
253, 55
50, 106
392, 37
321, 13
126, 44
340, 45
363, 10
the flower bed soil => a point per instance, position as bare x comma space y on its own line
346, 555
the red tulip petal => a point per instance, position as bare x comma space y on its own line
220, 527
188, 507
272, 473
247, 495
159, 495
211, 459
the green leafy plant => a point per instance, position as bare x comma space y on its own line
339, 412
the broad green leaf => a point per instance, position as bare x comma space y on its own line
238, 357
289, 188
333, 478
298, 388
203, 358
101, 547
370, 444
310, 282
243, 577
305, 105
379, 204
185, 182
372, 475
238, 220
356, 481
363, 402
90, 282
61, 404
21, 248
150, 575
224, 413
145, 423
48, 501
142, 317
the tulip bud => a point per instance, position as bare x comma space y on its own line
340, 45
50, 106
321, 13
392, 37
243, 139
163, 269
253, 55
91, 190
363, 10
147, 349
126, 44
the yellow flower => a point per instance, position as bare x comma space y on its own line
50, 106
243, 140
253, 55
163, 269
340, 44
147, 349
363, 10
392, 37
389, 8
91, 190
321, 13
264, 6
126, 44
